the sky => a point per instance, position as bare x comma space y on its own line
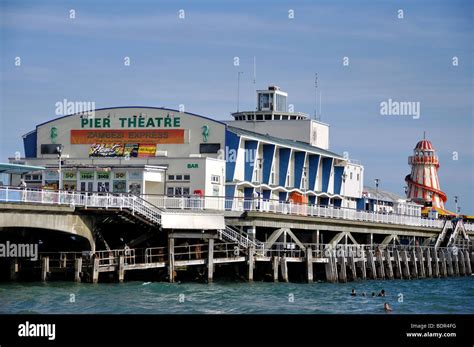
398, 50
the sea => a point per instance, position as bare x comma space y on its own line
423, 296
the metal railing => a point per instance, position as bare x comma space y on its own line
83, 199
242, 239
151, 206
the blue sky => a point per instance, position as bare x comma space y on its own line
191, 61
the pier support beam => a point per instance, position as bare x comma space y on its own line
414, 263
77, 269
95, 269
444, 268
406, 265
331, 268
276, 261
210, 261
436, 263
251, 263
381, 269
363, 267
171, 273
449, 261
14, 269
421, 263
398, 264
468, 263
44, 268
429, 272
371, 263
455, 259
352, 266
309, 264
284, 269
342, 271
462, 264
388, 261
121, 268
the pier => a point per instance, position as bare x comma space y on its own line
247, 240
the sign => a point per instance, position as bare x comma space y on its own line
135, 175
88, 175
51, 175
133, 122
70, 175
106, 150
120, 175
193, 166
103, 175
131, 150
84, 137
146, 150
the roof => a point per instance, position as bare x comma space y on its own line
383, 195
284, 142
424, 145
440, 211
18, 169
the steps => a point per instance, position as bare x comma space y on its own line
242, 239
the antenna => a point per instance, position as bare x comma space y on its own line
238, 89
424, 135
320, 114
254, 84
315, 95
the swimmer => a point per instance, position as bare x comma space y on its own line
363, 293
382, 293
373, 294
353, 293
387, 307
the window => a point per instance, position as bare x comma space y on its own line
170, 177
268, 117
179, 177
350, 176
186, 177
358, 177
259, 116
177, 191
186, 191
209, 147
170, 191
215, 191
215, 179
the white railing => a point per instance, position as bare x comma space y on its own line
150, 205
242, 239
83, 199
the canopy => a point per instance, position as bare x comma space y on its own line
18, 169
440, 211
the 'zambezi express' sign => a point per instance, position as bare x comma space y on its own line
84, 137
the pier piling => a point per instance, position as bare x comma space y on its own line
415, 265
468, 263
371, 263
309, 264
398, 264
406, 265
449, 261
14, 269
388, 260
444, 267
121, 268
429, 272
276, 261
251, 263
77, 269
44, 268
171, 272
462, 264
380, 266
284, 269
95, 269
342, 271
455, 259
210, 261
352, 266
436, 263
421, 263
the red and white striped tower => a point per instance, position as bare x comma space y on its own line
423, 182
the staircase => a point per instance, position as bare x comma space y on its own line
242, 239
447, 226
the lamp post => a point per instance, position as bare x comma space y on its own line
60, 151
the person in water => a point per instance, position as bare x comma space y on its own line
387, 307
373, 294
382, 293
353, 293
363, 293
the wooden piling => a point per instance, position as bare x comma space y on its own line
449, 262
121, 268
276, 261
210, 261
44, 268
95, 269
415, 265
371, 263
462, 264
363, 266
284, 269
388, 261
455, 259
398, 264
436, 273
380, 267
406, 265
171, 273
14, 269
444, 261
468, 263
342, 271
331, 268
429, 272
251, 263
421, 263
352, 266
309, 265
77, 269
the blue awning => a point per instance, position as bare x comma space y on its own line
18, 169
